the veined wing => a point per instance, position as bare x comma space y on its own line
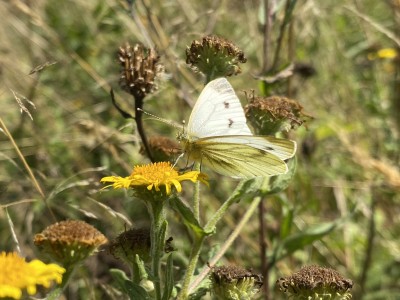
282, 148
217, 112
239, 160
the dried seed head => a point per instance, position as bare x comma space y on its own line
215, 57
69, 242
134, 242
269, 115
304, 70
130, 243
232, 282
140, 67
314, 282
162, 148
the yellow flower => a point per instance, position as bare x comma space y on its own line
17, 274
153, 176
387, 53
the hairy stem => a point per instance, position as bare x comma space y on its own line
194, 257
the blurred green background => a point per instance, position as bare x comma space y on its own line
348, 155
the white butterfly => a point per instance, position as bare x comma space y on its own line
218, 136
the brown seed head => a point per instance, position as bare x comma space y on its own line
233, 282
269, 115
69, 242
130, 243
315, 280
162, 148
140, 67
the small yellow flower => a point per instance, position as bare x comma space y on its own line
17, 274
384, 53
387, 53
153, 176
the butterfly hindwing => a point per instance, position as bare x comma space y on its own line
282, 148
240, 160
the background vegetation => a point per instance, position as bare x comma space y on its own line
348, 158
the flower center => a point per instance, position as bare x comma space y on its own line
155, 172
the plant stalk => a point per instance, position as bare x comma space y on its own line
194, 257
157, 243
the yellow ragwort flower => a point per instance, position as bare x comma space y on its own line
153, 176
17, 274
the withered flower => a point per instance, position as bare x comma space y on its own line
269, 115
130, 243
162, 148
314, 282
140, 67
235, 283
215, 57
69, 242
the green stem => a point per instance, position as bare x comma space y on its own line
252, 207
194, 257
157, 219
70, 270
243, 185
196, 195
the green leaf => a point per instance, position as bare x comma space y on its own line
201, 290
248, 189
141, 268
162, 233
187, 214
55, 294
199, 294
169, 278
281, 182
287, 221
133, 290
302, 239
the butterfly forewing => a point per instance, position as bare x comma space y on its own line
217, 112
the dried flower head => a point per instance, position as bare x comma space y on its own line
146, 177
134, 242
235, 283
304, 70
314, 282
215, 57
17, 275
269, 115
140, 67
130, 243
162, 148
69, 242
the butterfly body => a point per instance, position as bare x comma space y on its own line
218, 136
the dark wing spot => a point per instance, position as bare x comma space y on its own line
230, 123
226, 104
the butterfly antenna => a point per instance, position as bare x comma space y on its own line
158, 118
183, 126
